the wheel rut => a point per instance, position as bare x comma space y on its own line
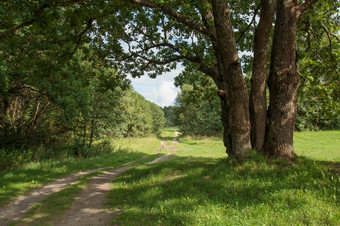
89, 206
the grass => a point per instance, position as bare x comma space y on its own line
204, 147
323, 145
201, 187
217, 192
168, 134
146, 145
56, 204
19, 181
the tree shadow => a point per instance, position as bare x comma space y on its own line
172, 193
16, 182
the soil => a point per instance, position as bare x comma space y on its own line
89, 208
16, 209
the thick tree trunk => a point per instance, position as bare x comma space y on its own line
239, 119
258, 102
223, 94
283, 82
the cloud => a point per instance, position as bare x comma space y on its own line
164, 94
160, 90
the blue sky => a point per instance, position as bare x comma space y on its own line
160, 90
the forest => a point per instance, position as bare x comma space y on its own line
259, 107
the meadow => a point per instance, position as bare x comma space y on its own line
198, 185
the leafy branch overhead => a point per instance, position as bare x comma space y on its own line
140, 37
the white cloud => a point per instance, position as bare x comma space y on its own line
160, 90
164, 94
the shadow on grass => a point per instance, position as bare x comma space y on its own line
192, 191
18, 181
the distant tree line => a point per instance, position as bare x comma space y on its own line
79, 100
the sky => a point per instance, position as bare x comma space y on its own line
160, 90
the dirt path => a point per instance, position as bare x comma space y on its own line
88, 208
15, 210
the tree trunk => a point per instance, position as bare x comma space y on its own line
283, 82
239, 119
223, 92
258, 102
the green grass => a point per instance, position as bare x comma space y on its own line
201, 187
146, 145
56, 204
321, 145
204, 147
19, 181
168, 134
16, 182
216, 192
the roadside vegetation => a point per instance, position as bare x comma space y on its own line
15, 182
201, 187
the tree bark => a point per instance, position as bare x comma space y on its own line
283, 82
238, 115
223, 94
258, 102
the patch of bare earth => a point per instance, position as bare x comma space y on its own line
88, 209
18, 207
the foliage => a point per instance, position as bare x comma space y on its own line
199, 108
170, 113
84, 95
319, 55
136, 116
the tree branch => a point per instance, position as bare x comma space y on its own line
76, 2
88, 27
179, 18
37, 14
304, 6
329, 40
252, 20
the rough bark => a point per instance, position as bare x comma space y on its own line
258, 103
283, 80
238, 117
223, 94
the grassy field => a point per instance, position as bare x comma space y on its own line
201, 187
323, 145
198, 185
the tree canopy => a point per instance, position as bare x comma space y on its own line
152, 36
